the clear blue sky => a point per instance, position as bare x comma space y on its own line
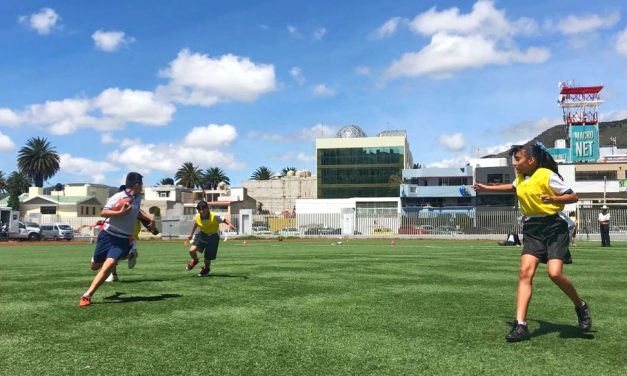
117, 86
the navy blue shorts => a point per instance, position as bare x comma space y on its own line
109, 246
207, 243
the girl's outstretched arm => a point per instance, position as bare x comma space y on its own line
494, 188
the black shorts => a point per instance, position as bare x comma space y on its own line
207, 243
547, 238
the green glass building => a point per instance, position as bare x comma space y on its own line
352, 165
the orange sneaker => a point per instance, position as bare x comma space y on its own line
85, 301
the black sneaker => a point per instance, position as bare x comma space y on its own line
584, 317
204, 272
519, 332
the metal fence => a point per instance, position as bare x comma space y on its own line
493, 223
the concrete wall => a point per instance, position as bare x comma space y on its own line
278, 195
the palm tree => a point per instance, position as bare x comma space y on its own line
213, 176
166, 181
262, 173
3, 183
285, 170
189, 176
17, 183
38, 160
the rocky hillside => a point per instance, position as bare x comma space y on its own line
607, 130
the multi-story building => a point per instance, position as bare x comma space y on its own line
280, 195
354, 165
427, 188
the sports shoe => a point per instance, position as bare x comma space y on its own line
112, 278
204, 272
85, 301
584, 317
519, 332
191, 264
132, 258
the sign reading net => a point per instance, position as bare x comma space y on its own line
584, 143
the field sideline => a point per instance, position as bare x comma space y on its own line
420, 307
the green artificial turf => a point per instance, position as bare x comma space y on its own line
308, 308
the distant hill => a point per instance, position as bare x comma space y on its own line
607, 129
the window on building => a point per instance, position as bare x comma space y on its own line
189, 211
48, 210
82, 210
595, 175
412, 189
496, 179
93, 210
163, 194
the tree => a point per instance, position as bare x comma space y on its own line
17, 183
189, 176
3, 183
262, 173
166, 181
38, 160
213, 176
285, 170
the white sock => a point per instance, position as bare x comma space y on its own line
524, 323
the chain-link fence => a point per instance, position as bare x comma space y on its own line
482, 223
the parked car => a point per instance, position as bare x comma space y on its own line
26, 230
412, 230
56, 231
427, 228
446, 230
322, 231
382, 231
229, 232
261, 231
287, 231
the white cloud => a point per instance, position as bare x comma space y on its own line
614, 115
484, 19
322, 90
6, 144
388, 28
298, 157
621, 43
127, 142
211, 136
447, 54
43, 22
461, 41
362, 70
529, 129
107, 138
109, 111
297, 75
134, 106
453, 142
319, 33
292, 31
169, 157
86, 169
304, 134
197, 79
585, 24
110, 41
453, 162
496, 149
9, 118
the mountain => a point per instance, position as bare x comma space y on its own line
607, 130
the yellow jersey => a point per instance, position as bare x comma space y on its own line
210, 225
530, 191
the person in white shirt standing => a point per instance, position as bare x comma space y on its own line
604, 225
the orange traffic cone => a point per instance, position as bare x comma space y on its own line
392, 243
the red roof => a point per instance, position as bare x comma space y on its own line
581, 90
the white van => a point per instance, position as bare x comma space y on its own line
56, 231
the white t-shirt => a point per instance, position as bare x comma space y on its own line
604, 217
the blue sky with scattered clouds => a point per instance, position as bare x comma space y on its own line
148, 85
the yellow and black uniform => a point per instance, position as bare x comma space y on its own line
545, 228
207, 238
